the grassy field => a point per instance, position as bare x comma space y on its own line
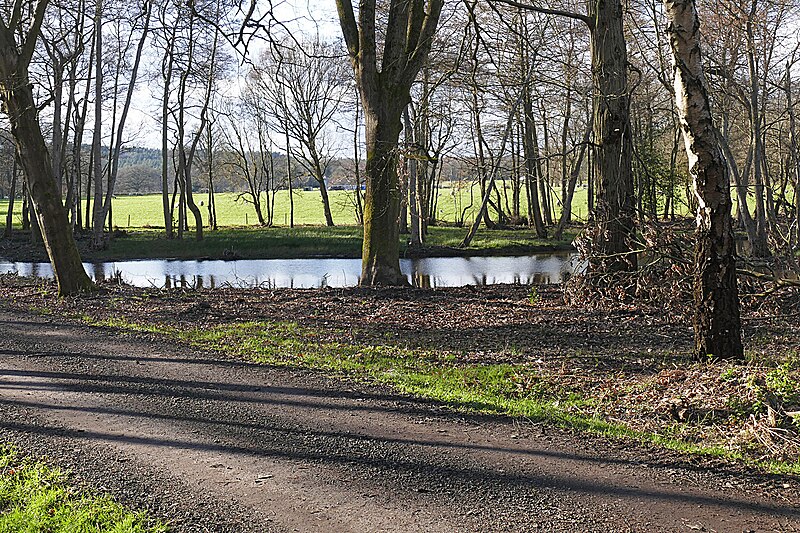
144, 211
233, 210
240, 236
313, 241
35, 498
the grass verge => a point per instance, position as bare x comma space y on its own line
316, 241
35, 498
509, 389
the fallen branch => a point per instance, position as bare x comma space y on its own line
779, 282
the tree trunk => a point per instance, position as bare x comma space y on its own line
413, 189
542, 177
18, 103
717, 327
759, 246
531, 155
56, 144
289, 180
403, 180
741, 191
357, 164
89, 173
381, 248
326, 202
385, 87
794, 160
566, 210
11, 194
258, 209
167, 69
564, 152
26, 215
36, 231
186, 168
186, 157
116, 148
50, 213
98, 215
492, 175
480, 152
615, 207
212, 204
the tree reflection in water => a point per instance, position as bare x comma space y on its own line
313, 273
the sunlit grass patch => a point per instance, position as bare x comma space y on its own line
36, 498
718, 409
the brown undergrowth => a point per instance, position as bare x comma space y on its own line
628, 363
751, 406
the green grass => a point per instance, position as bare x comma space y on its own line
240, 237
454, 198
35, 498
244, 242
312, 241
146, 210
508, 389
486, 387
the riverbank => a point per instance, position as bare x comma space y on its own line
287, 243
623, 372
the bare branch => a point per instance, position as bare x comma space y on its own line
547, 11
33, 32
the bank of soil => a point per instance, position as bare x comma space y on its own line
214, 444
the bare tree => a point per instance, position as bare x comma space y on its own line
614, 211
717, 326
251, 158
384, 80
304, 87
168, 35
19, 30
117, 139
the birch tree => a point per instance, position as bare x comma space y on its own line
717, 326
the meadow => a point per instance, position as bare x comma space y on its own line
239, 235
145, 211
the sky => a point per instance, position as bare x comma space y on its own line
297, 16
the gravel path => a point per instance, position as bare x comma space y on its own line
211, 444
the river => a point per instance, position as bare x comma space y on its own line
313, 273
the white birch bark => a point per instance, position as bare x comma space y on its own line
717, 326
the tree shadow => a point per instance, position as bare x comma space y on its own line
416, 470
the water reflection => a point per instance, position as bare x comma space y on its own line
312, 273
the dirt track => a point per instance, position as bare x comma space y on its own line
212, 444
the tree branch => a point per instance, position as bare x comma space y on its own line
33, 33
558, 12
419, 55
394, 48
347, 21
